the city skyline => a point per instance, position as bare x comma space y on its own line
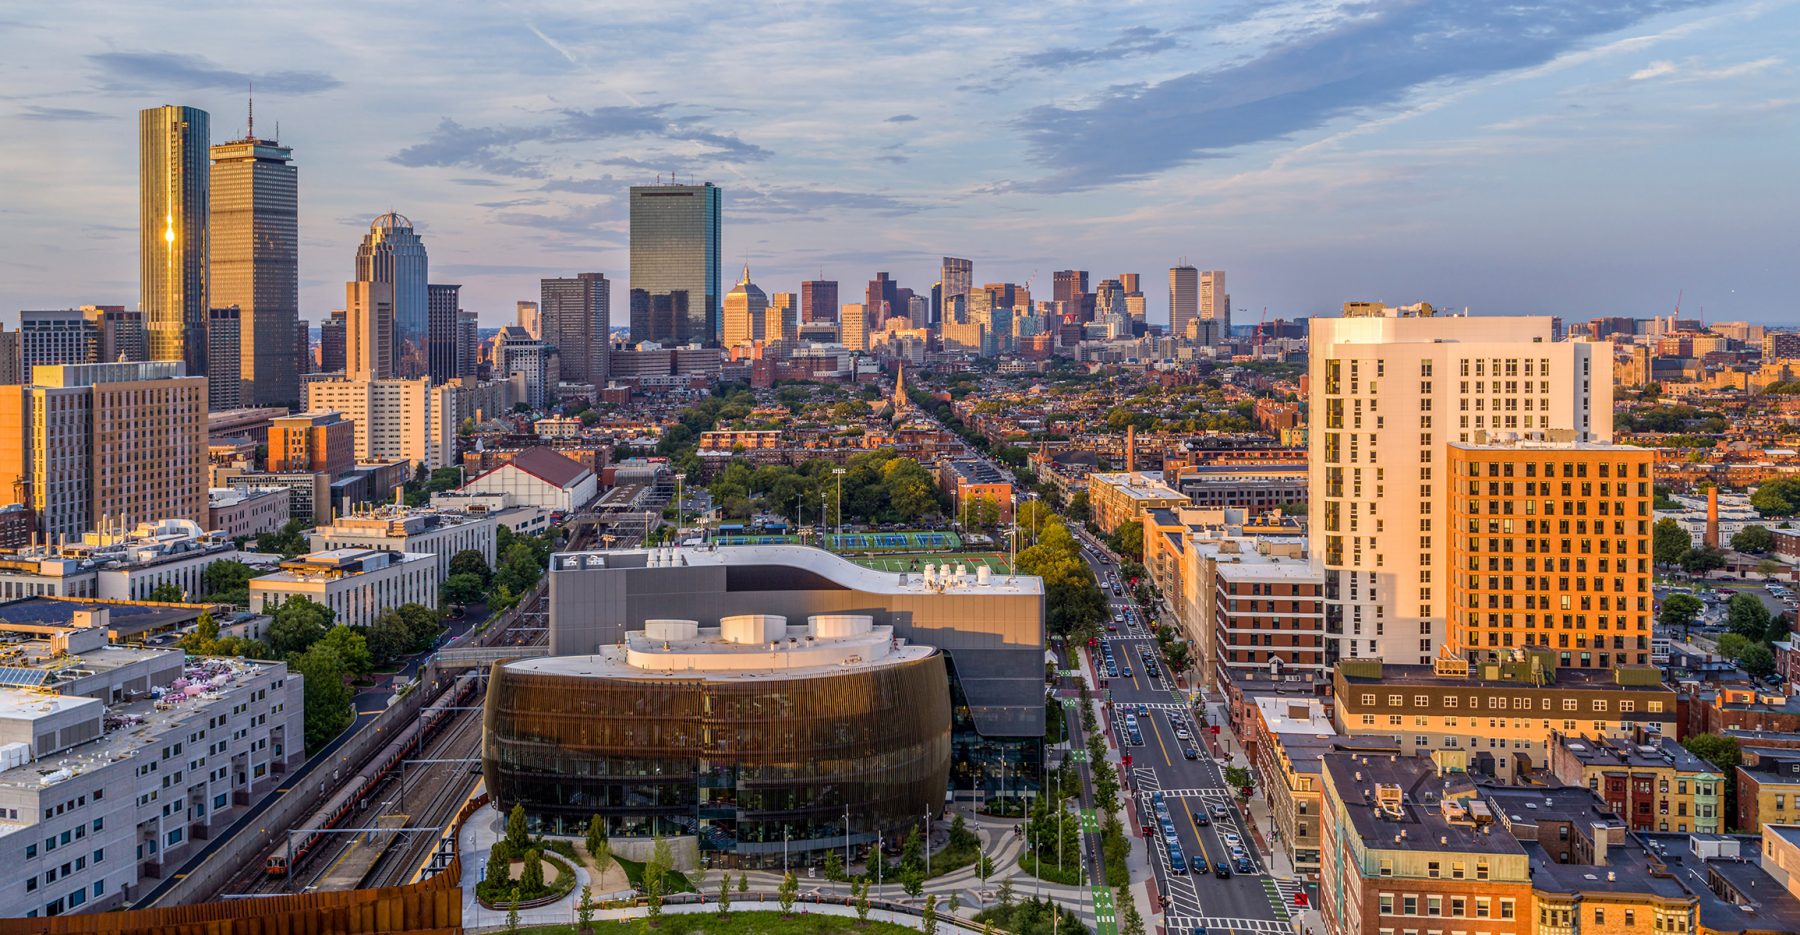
1379, 175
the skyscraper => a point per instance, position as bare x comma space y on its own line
1070, 286
91, 334
530, 318
332, 341
172, 231
881, 299
468, 344
575, 317
1215, 304
1129, 281
819, 300
1184, 299
443, 301
957, 276
255, 250
1379, 477
675, 285
781, 323
746, 306
368, 330
393, 256
224, 352
853, 332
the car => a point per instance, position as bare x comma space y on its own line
1222, 870
1177, 862
1157, 798
1245, 866
1231, 839
1200, 865
1192, 754
1112, 628
1127, 671
1220, 811
1143, 710
1201, 820
1181, 733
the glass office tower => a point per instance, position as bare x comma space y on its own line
256, 262
173, 173
675, 293
393, 255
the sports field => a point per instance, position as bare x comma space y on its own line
861, 542
916, 561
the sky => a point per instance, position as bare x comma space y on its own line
1578, 158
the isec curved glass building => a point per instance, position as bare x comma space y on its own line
761, 739
666, 707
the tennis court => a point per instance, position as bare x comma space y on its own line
916, 561
756, 540
855, 542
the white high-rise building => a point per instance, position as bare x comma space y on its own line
408, 419
1215, 303
1390, 389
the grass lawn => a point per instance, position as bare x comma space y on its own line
1070, 875
634, 871
736, 923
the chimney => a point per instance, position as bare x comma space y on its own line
1711, 538
1600, 843
1130, 448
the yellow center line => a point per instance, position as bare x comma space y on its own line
1199, 833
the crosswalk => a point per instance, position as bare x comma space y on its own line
1187, 923
1220, 794
1282, 893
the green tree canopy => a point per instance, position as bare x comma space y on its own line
1679, 611
1753, 539
1777, 496
1670, 542
297, 624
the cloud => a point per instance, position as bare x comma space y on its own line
500, 149
1367, 61
35, 112
137, 71
1134, 42
1654, 70
901, 118
813, 203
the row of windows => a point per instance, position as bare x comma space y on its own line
1484, 907
1501, 702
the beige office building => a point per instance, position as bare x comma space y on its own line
746, 306
84, 442
408, 419
1391, 388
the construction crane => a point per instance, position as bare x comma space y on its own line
1260, 326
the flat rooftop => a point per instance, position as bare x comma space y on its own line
133, 726
808, 558
1419, 823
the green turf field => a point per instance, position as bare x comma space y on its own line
916, 561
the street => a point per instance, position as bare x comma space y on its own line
1191, 789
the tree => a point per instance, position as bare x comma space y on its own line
1744, 614
1678, 612
724, 894
928, 917
203, 639
1130, 537
531, 875
463, 589
1669, 541
350, 647
165, 593
955, 902
1702, 560
1758, 660
912, 852
228, 582
286, 542
499, 864
656, 874
297, 624
584, 910
512, 911
1778, 496
834, 865
518, 835
1724, 754
790, 888
1078, 508
1753, 539
984, 868
1131, 922
1237, 777
860, 889
1004, 899
326, 697
470, 562
743, 882
596, 842
913, 882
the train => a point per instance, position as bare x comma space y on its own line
344, 803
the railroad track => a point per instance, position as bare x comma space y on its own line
434, 792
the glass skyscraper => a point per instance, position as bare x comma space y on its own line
255, 262
172, 231
392, 255
675, 293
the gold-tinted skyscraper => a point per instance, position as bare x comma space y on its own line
172, 231
255, 261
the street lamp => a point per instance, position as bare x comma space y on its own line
840, 498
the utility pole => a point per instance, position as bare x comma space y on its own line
840, 499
